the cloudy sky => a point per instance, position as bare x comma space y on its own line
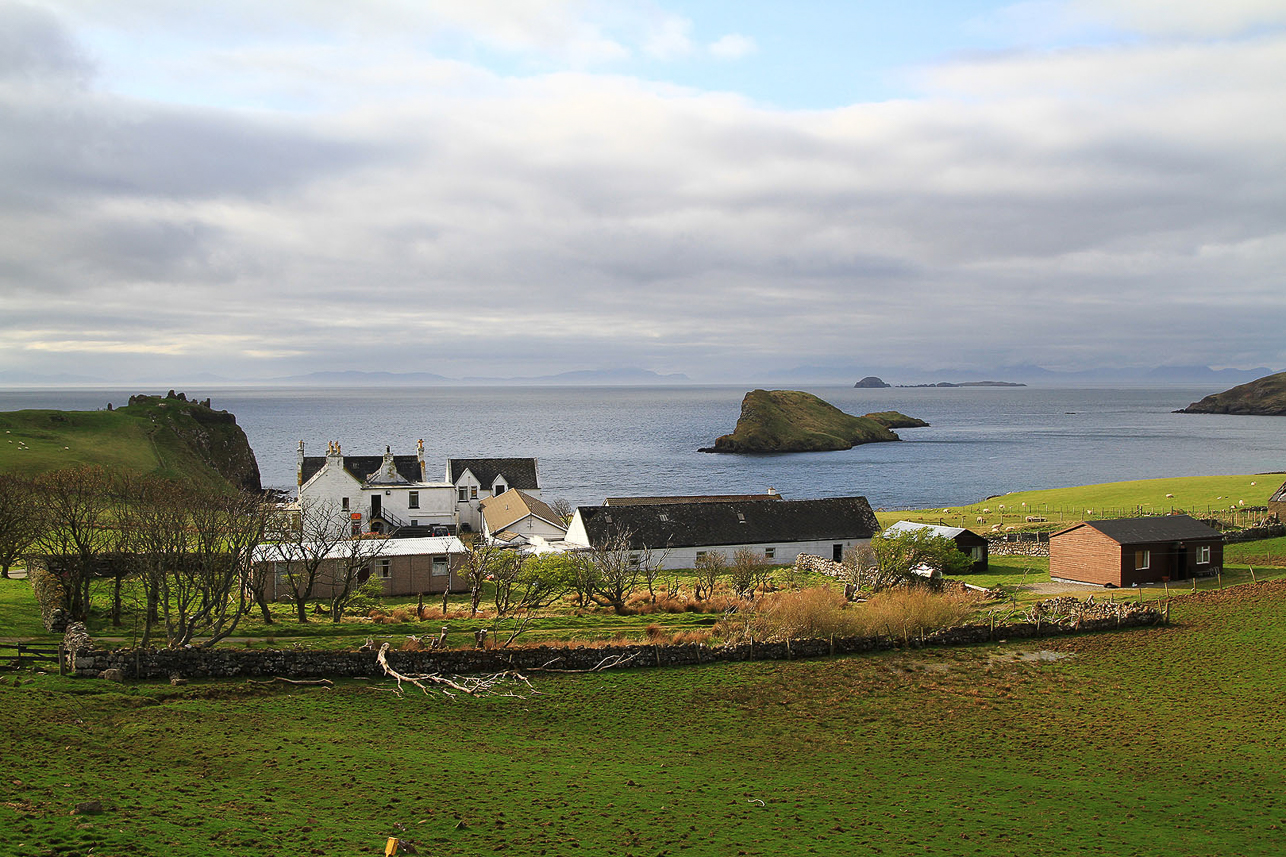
723, 188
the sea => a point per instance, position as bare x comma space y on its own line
596, 442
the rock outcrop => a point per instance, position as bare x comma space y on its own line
794, 421
870, 382
1263, 397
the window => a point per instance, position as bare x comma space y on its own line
386, 570
413, 500
770, 553
701, 555
439, 566
976, 554
415, 522
279, 571
1203, 554
463, 494
635, 560
1142, 560
500, 488
343, 503
473, 492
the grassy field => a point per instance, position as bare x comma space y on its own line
1197, 495
1147, 742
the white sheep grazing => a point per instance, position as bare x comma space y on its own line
1169, 495
980, 519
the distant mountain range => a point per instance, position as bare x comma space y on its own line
1025, 374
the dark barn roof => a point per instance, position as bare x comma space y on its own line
518, 472
705, 498
1279, 496
1137, 531
362, 466
739, 522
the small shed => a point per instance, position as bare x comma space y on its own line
1277, 503
1130, 551
968, 542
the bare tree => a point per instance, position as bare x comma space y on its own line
479, 564
749, 572
351, 558
74, 507
160, 535
563, 508
19, 518
302, 547
616, 569
205, 595
711, 567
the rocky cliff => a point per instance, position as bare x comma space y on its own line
794, 421
1263, 397
211, 436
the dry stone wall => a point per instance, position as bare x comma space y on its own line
303, 663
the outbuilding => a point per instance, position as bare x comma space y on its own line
1277, 503
967, 541
1130, 551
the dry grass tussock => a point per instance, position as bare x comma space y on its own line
820, 612
640, 603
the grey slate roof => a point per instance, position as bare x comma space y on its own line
673, 525
517, 472
1163, 528
1279, 496
703, 498
362, 466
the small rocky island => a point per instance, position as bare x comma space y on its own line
870, 382
794, 421
1263, 397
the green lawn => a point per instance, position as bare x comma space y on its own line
1157, 741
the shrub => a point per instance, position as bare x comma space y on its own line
796, 614
909, 611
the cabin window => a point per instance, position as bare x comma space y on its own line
770, 553
413, 500
386, 569
439, 566
976, 553
343, 503
1142, 560
1203, 554
463, 494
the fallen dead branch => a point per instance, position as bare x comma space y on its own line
313, 682
607, 663
478, 686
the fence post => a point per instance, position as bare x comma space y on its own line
62, 660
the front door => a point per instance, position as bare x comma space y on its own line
837, 553
377, 508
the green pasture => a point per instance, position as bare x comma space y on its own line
1195, 495
1154, 741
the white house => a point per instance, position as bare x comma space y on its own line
475, 479
377, 493
515, 518
675, 535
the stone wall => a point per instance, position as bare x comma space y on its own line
304, 663
1006, 548
1267, 531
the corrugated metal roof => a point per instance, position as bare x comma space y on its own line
388, 548
912, 527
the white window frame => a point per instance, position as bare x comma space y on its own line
343, 503
770, 553
1203, 554
440, 562
385, 568
473, 492
412, 499
462, 494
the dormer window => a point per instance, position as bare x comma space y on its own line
500, 488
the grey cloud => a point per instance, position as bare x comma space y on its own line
34, 44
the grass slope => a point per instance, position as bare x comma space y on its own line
1147, 742
794, 421
177, 440
1197, 495
1262, 397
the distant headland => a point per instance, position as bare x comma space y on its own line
1263, 397
870, 382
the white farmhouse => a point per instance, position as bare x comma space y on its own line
475, 479
676, 535
516, 519
378, 494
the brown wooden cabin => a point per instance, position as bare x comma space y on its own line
1130, 551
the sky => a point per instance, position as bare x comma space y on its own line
723, 189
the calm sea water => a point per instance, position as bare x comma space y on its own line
620, 441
